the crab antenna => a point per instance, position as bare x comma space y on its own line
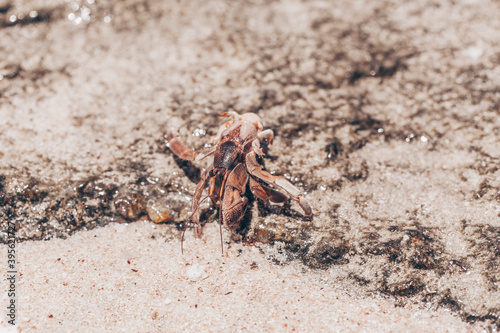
220, 232
182, 238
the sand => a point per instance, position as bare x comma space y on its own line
385, 115
125, 277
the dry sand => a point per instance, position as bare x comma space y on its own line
386, 114
125, 277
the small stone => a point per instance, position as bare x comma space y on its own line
130, 205
158, 214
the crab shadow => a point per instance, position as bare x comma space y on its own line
190, 170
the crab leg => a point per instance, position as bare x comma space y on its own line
233, 202
214, 189
195, 217
182, 151
265, 193
255, 170
233, 208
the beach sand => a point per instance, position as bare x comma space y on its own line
385, 115
126, 277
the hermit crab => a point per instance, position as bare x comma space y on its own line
235, 149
